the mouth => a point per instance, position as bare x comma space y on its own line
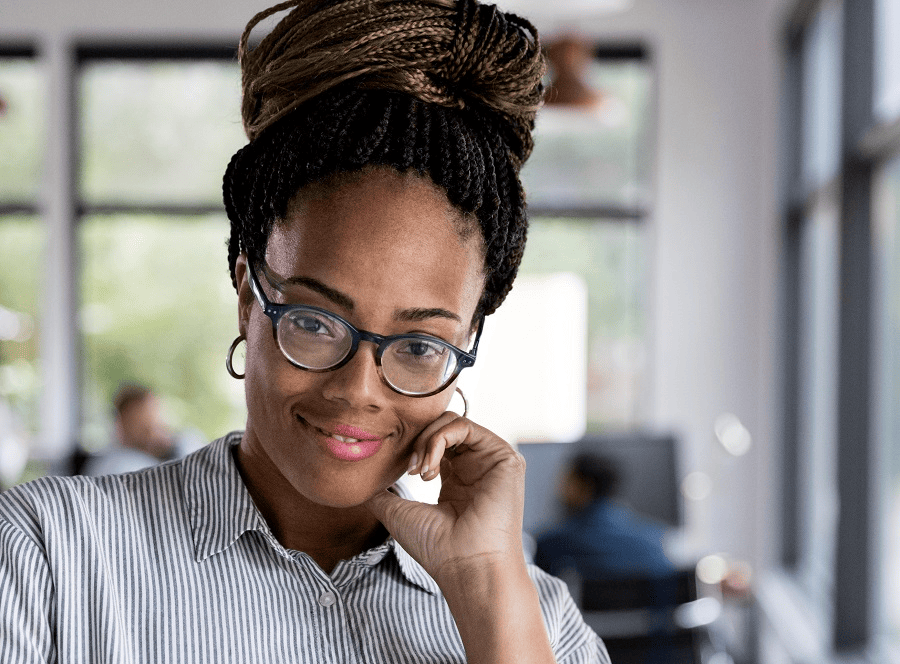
347, 443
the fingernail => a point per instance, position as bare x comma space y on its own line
424, 470
413, 462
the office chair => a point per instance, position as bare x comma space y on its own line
646, 620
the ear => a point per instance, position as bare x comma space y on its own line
245, 295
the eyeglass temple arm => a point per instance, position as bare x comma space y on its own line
474, 351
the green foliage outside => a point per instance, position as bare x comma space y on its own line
158, 308
22, 128
158, 132
21, 250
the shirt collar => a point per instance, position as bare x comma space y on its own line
221, 509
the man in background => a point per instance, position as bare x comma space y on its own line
142, 437
601, 538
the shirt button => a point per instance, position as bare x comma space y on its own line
374, 558
327, 598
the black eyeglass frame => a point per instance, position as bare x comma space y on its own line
276, 311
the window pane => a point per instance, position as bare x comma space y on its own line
158, 309
600, 157
887, 364
610, 257
887, 59
21, 129
822, 95
819, 295
21, 252
158, 132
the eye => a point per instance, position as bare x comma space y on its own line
311, 324
421, 350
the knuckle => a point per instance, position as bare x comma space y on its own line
517, 461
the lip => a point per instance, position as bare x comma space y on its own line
348, 431
363, 445
353, 451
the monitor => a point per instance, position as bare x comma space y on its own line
647, 461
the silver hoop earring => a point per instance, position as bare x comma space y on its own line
465, 402
228, 364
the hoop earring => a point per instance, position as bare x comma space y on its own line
228, 365
465, 402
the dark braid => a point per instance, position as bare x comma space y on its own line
442, 88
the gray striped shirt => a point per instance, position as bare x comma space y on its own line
176, 564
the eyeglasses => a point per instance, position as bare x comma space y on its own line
313, 339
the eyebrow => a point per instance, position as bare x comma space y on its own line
412, 315
315, 285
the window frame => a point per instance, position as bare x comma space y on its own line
865, 145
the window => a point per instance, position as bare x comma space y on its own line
22, 99
819, 295
842, 489
609, 256
588, 184
887, 244
157, 305
821, 107
600, 156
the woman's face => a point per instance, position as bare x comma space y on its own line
381, 250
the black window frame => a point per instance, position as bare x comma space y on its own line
865, 145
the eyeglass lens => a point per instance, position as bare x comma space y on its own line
318, 342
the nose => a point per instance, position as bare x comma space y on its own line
358, 383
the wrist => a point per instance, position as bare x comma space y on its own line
486, 576
496, 609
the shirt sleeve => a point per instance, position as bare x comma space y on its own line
572, 640
26, 599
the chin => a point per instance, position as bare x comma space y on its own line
347, 490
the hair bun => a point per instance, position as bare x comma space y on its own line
453, 53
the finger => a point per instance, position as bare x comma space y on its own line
434, 454
418, 462
474, 450
397, 514
437, 445
461, 434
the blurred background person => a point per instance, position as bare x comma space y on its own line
142, 437
601, 537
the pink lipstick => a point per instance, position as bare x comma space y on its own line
349, 443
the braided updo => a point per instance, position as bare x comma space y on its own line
444, 88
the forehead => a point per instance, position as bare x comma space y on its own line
385, 236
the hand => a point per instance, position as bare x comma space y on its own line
471, 541
478, 519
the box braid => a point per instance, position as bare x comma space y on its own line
446, 89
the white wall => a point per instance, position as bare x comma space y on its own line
713, 237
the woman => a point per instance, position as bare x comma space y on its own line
376, 219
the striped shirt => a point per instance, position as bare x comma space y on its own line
176, 564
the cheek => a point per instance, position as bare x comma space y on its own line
269, 377
419, 413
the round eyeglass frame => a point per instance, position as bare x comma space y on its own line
276, 311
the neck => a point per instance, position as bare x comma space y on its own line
327, 534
